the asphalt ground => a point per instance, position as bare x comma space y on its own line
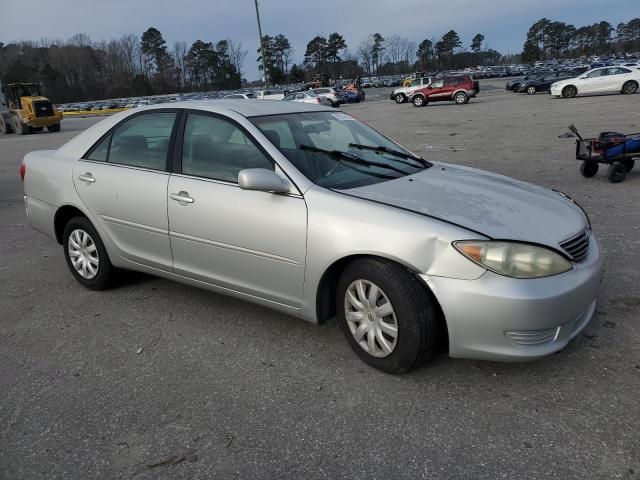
156, 380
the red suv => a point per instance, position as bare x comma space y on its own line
455, 88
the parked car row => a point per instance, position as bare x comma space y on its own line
570, 83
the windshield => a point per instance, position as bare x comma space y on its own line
338, 131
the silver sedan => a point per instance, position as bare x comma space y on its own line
306, 210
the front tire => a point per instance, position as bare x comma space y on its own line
531, 90
630, 87
419, 101
85, 254
388, 317
569, 91
588, 169
54, 128
400, 98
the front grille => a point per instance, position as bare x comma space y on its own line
42, 109
577, 246
533, 338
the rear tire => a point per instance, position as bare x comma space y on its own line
461, 98
85, 254
589, 169
630, 87
419, 101
54, 128
569, 91
401, 98
617, 172
402, 314
531, 90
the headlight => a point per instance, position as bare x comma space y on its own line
517, 260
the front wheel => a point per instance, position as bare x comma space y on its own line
588, 169
85, 254
54, 128
400, 98
388, 317
569, 92
461, 98
630, 87
419, 101
531, 90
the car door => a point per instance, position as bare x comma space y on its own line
246, 241
123, 182
616, 76
544, 83
437, 90
592, 82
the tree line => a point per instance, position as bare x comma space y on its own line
548, 39
81, 69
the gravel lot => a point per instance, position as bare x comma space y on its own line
226, 389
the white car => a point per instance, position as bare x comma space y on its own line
239, 96
599, 80
329, 93
402, 94
308, 97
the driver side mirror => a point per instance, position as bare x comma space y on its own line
262, 180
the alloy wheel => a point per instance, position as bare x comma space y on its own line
371, 318
83, 254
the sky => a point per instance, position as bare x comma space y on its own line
503, 22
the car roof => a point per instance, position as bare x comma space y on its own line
252, 108
78, 145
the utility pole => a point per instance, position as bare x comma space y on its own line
264, 65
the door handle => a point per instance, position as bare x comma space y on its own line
181, 197
87, 177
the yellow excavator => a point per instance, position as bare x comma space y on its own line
24, 110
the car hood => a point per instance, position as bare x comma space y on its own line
494, 205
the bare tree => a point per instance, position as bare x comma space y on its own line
237, 54
365, 53
179, 53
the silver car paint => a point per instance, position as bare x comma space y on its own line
339, 225
488, 203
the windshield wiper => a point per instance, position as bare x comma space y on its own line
345, 156
395, 153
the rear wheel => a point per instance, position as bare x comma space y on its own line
588, 169
617, 172
630, 87
400, 98
569, 91
54, 128
388, 317
461, 98
85, 254
419, 101
531, 90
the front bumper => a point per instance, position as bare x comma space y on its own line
556, 90
505, 319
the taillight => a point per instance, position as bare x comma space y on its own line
23, 171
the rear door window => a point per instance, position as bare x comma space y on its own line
142, 141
